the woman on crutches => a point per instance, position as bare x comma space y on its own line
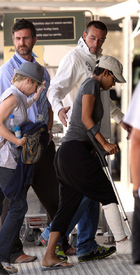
79, 172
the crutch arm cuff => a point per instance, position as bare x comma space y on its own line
94, 129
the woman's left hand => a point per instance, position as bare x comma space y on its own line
37, 94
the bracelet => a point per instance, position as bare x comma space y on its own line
135, 193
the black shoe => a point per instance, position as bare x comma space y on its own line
98, 253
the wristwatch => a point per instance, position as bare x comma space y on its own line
135, 193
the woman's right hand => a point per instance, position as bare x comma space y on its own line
21, 141
111, 148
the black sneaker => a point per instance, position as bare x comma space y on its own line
98, 253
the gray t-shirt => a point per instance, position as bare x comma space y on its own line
77, 130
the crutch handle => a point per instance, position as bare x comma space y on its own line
101, 153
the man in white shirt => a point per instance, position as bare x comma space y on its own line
132, 118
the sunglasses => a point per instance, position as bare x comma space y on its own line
114, 78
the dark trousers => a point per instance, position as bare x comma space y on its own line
46, 188
1, 200
79, 174
136, 232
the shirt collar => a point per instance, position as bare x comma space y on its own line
83, 47
22, 59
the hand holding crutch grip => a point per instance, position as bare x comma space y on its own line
102, 154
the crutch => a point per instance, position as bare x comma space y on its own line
102, 154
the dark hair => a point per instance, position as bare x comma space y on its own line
97, 24
24, 24
99, 70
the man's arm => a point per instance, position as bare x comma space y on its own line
117, 115
126, 127
50, 121
46, 78
135, 158
115, 112
62, 114
5, 77
132, 118
63, 82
